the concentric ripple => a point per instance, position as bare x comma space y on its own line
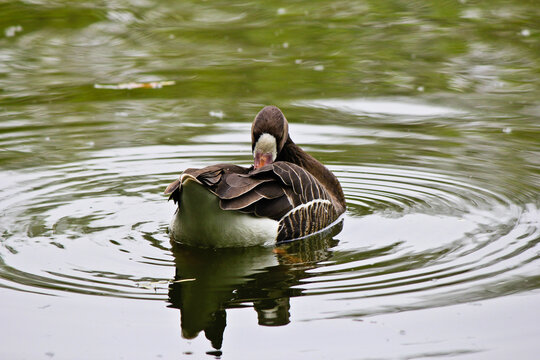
426, 240
412, 237
94, 227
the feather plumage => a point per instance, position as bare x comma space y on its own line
296, 190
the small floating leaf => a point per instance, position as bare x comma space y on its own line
153, 285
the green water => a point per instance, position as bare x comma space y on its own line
427, 111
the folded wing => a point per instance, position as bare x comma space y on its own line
281, 191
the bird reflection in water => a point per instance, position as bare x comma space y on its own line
209, 281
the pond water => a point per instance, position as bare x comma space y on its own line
428, 112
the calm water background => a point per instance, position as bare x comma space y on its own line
428, 112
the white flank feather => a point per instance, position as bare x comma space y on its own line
308, 204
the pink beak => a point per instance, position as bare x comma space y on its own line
262, 159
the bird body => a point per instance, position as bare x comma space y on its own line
286, 194
200, 221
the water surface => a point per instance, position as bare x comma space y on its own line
427, 112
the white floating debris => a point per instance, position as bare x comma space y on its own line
525, 32
217, 114
318, 67
134, 85
285, 45
298, 61
281, 11
152, 285
507, 130
420, 88
12, 30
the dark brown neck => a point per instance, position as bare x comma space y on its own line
294, 154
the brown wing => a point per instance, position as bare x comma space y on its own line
210, 177
281, 191
313, 208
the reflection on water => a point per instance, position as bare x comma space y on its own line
412, 239
209, 281
426, 111
381, 107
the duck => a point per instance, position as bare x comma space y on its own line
285, 195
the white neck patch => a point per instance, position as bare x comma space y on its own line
266, 145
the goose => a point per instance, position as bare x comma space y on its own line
286, 194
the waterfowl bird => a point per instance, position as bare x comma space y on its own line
286, 194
